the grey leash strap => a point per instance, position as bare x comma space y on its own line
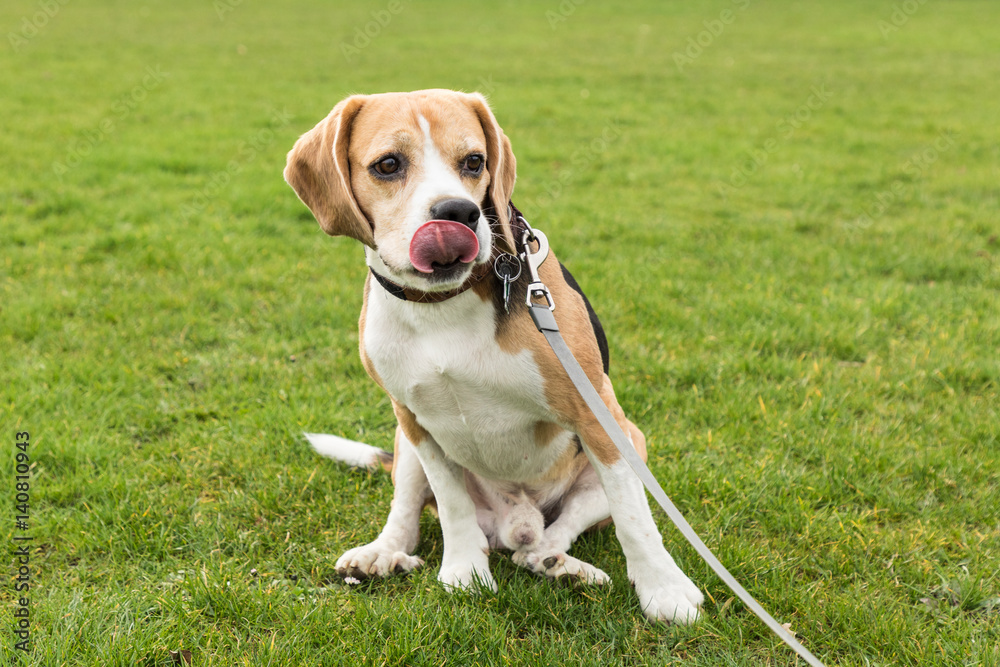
546, 323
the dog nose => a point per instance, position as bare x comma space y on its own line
456, 210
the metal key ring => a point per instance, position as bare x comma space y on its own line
507, 260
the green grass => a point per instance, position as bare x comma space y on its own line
803, 313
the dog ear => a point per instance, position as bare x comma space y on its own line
501, 164
320, 173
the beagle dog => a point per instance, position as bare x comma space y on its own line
491, 430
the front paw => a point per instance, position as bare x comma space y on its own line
670, 597
375, 560
472, 576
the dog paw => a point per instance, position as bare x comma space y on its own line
561, 565
674, 601
371, 560
467, 576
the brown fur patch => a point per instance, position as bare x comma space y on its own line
600, 525
560, 394
414, 432
362, 320
318, 170
545, 432
395, 452
592, 432
487, 287
638, 440
568, 466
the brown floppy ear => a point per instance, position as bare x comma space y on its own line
501, 164
320, 173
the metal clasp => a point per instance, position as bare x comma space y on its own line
537, 289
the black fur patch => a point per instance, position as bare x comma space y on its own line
602, 339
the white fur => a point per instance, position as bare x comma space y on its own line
354, 454
441, 182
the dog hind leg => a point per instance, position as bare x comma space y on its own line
583, 506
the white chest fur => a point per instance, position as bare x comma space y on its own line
480, 404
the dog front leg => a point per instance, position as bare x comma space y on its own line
465, 563
665, 592
391, 551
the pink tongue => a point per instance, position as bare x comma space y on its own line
442, 242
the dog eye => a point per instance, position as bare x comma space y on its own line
387, 166
474, 163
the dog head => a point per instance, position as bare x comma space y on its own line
412, 176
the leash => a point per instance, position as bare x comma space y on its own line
545, 321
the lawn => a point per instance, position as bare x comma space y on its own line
786, 214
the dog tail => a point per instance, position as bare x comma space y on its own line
354, 454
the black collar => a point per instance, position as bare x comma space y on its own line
419, 296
